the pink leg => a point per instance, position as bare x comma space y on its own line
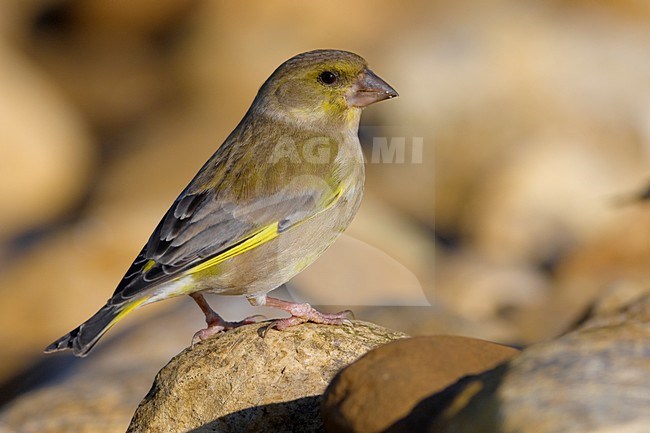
215, 322
300, 313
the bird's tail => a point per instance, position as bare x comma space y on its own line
81, 339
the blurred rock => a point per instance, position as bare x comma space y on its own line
17, 18
597, 275
622, 306
239, 381
595, 379
612, 264
145, 18
70, 276
497, 297
105, 407
114, 81
70, 273
63, 282
110, 58
99, 393
533, 118
436, 319
633, 11
552, 196
151, 174
373, 278
522, 156
224, 67
520, 150
387, 382
46, 152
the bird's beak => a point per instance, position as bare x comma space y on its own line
368, 89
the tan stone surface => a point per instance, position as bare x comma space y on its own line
100, 393
386, 383
240, 381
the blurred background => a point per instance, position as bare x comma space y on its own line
524, 212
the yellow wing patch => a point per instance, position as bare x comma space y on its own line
262, 236
126, 310
258, 238
148, 266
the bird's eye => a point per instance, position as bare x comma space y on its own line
327, 77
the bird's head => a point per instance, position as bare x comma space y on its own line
323, 86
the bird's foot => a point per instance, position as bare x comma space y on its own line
217, 324
301, 313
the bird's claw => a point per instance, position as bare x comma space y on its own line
265, 329
349, 313
253, 319
204, 334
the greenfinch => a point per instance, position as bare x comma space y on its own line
274, 196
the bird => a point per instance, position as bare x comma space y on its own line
282, 187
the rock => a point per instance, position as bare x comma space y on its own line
87, 66
594, 379
548, 116
63, 281
239, 381
46, 150
99, 393
619, 307
386, 383
498, 297
89, 47
107, 403
433, 320
611, 265
525, 185
144, 18
552, 194
214, 40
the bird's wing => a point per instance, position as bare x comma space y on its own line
200, 231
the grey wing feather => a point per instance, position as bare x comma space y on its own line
198, 227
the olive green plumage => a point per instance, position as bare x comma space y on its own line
284, 184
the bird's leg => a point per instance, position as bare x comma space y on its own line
215, 322
300, 313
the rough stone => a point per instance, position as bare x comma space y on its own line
610, 268
240, 381
386, 383
613, 310
593, 379
99, 393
